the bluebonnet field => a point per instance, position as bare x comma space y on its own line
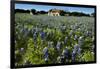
42, 39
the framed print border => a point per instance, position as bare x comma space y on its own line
12, 29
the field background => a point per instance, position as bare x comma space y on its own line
52, 26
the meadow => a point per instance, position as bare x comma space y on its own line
43, 39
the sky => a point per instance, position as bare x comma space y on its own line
48, 7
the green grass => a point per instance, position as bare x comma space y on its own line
34, 55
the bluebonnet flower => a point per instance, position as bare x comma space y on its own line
46, 54
88, 33
76, 47
42, 34
46, 58
79, 51
65, 53
75, 37
73, 55
66, 38
45, 51
76, 50
62, 58
58, 46
80, 41
34, 36
63, 28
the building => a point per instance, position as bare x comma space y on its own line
54, 12
31, 12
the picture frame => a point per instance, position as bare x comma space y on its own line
13, 22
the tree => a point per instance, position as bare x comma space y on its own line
62, 13
93, 14
33, 11
21, 11
42, 12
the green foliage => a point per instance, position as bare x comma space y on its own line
33, 50
88, 56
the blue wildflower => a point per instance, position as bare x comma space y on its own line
46, 54
66, 38
62, 58
65, 53
76, 47
80, 41
79, 51
42, 34
75, 37
58, 46
73, 55
35, 36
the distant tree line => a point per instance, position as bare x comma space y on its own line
77, 14
63, 13
22, 11
33, 11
